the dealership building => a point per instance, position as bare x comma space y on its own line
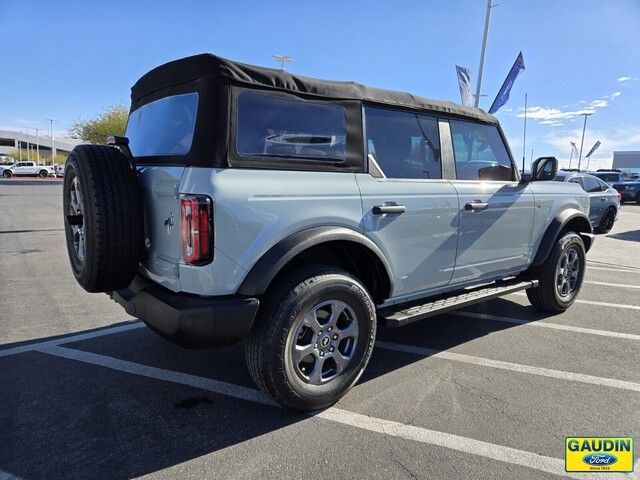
627, 160
10, 141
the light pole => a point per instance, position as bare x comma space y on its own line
582, 141
37, 146
282, 59
28, 151
53, 155
484, 47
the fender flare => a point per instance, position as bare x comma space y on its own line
558, 224
267, 267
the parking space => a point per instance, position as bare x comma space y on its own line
488, 392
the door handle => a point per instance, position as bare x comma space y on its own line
393, 209
476, 205
603, 199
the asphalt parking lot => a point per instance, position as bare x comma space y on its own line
491, 392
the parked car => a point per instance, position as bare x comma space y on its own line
604, 199
297, 213
58, 169
629, 190
609, 176
29, 169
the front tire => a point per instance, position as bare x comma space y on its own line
7, 174
313, 337
43, 174
560, 276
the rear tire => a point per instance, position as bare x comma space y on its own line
606, 221
313, 337
102, 217
43, 174
7, 174
560, 276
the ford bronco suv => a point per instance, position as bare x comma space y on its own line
298, 214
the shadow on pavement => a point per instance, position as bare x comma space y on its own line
62, 418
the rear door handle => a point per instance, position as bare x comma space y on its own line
476, 205
393, 209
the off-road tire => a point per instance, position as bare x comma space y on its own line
288, 298
112, 217
7, 173
546, 297
604, 226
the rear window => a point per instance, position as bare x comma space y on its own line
282, 127
163, 127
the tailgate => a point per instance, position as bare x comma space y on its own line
162, 224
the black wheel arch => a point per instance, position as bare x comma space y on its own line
569, 219
366, 256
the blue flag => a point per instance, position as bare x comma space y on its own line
503, 94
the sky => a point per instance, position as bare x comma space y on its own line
70, 60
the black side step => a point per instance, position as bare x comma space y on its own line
398, 317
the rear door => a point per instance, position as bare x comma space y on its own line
597, 198
409, 210
496, 212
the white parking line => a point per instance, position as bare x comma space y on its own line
543, 324
514, 367
593, 302
615, 285
72, 338
617, 270
364, 422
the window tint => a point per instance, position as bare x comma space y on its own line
603, 185
577, 180
405, 145
591, 184
275, 126
480, 152
609, 177
163, 127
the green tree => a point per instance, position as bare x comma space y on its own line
112, 121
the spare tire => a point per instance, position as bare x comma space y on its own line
103, 218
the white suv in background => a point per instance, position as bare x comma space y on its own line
29, 169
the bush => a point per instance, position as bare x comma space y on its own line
112, 121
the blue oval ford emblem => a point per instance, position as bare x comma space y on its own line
599, 459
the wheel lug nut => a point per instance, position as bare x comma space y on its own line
315, 345
331, 349
322, 353
335, 337
329, 329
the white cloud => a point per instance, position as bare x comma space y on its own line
552, 116
623, 79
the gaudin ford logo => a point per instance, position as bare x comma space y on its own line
599, 454
168, 224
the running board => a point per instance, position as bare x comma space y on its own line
394, 317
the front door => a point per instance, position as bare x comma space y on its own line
409, 210
495, 211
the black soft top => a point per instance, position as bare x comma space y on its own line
227, 71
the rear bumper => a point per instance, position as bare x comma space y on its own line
185, 319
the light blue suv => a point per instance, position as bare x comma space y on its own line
298, 213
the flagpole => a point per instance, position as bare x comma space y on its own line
484, 47
570, 157
524, 138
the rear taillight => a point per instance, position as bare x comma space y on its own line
197, 229
619, 197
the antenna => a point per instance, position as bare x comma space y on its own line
282, 59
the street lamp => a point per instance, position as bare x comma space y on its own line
584, 126
37, 146
53, 155
484, 47
281, 59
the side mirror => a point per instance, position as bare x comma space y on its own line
544, 168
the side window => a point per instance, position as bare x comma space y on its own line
591, 184
276, 126
404, 144
480, 152
577, 180
603, 185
